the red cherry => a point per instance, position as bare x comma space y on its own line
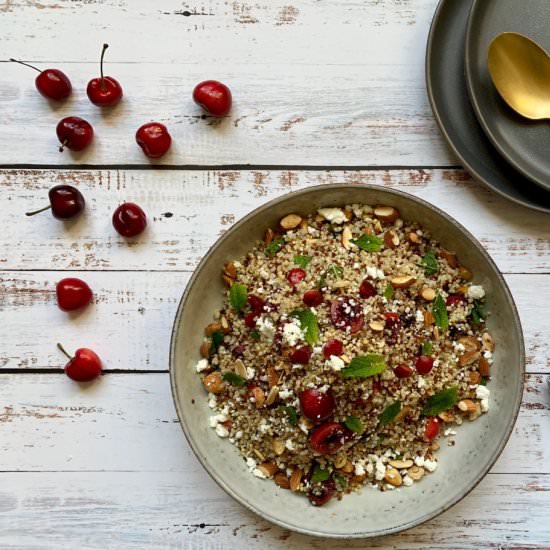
328, 438
129, 219
72, 294
313, 298
214, 97
295, 276
432, 428
256, 303
347, 312
403, 371
51, 83
301, 355
104, 91
317, 405
455, 300
321, 495
392, 319
424, 364
65, 202
154, 139
84, 366
333, 347
367, 290
250, 319
75, 133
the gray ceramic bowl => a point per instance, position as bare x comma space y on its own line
369, 513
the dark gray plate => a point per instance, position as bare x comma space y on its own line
453, 112
523, 143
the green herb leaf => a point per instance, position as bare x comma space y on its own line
389, 413
440, 401
274, 246
478, 312
430, 263
368, 243
302, 261
341, 482
483, 381
308, 324
439, 310
234, 379
319, 474
388, 292
427, 348
217, 339
238, 296
364, 366
255, 335
354, 424
336, 271
291, 414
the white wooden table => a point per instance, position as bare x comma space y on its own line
325, 91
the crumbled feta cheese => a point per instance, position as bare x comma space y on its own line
430, 465
421, 383
359, 468
370, 468
489, 356
266, 327
285, 393
289, 444
419, 316
477, 292
335, 363
217, 419
251, 463
264, 426
250, 372
258, 473
380, 470
324, 389
239, 434
483, 393
333, 215
407, 481
419, 461
449, 432
212, 401
292, 333
202, 365
221, 430
375, 273
317, 350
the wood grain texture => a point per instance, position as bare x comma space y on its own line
136, 310
356, 98
172, 511
203, 204
127, 422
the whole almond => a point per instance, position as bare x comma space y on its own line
213, 383
414, 238
295, 479
291, 221
278, 446
476, 413
470, 343
230, 270
259, 397
401, 464
467, 405
267, 468
468, 358
268, 236
205, 349
403, 281
428, 318
450, 257
484, 367
391, 240
427, 294
475, 377
240, 369
376, 326
282, 481
272, 396
212, 328
415, 472
393, 477
346, 237
446, 416
466, 274
272, 377
386, 213
488, 343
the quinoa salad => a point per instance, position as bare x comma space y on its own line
350, 345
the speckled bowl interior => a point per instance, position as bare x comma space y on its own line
369, 513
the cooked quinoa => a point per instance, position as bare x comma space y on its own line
348, 343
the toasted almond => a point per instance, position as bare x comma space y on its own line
450, 257
281, 480
228, 281
205, 349
268, 236
447, 416
376, 326
267, 468
291, 221
278, 446
462, 290
348, 467
259, 396
484, 368
240, 369
488, 343
377, 226
467, 405
468, 358
272, 396
470, 343
212, 328
415, 472
476, 413
346, 237
258, 454
414, 238
345, 358
230, 270
225, 324
475, 377
393, 477
434, 446
386, 213
403, 281
427, 294
428, 318
272, 377
464, 273
400, 464
295, 479
213, 383
340, 461
391, 240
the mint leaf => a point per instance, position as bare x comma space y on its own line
255, 335
292, 415
308, 324
319, 474
238, 296
389, 413
368, 243
440, 401
478, 312
302, 261
217, 339
427, 348
364, 366
430, 263
234, 379
483, 381
274, 246
354, 424
388, 292
439, 310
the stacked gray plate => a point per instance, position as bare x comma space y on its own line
507, 170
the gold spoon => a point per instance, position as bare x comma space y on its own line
520, 70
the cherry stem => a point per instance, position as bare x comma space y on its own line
64, 351
26, 64
105, 46
62, 146
38, 211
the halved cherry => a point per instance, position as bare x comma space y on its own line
250, 318
313, 298
333, 347
455, 300
296, 276
392, 319
317, 405
318, 496
424, 364
346, 312
328, 438
432, 428
255, 302
301, 355
367, 289
403, 371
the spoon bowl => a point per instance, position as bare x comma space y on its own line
520, 70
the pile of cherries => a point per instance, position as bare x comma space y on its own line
76, 134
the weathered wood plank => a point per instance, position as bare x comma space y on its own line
174, 511
201, 205
127, 422
136, 310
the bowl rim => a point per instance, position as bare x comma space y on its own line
242, 499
